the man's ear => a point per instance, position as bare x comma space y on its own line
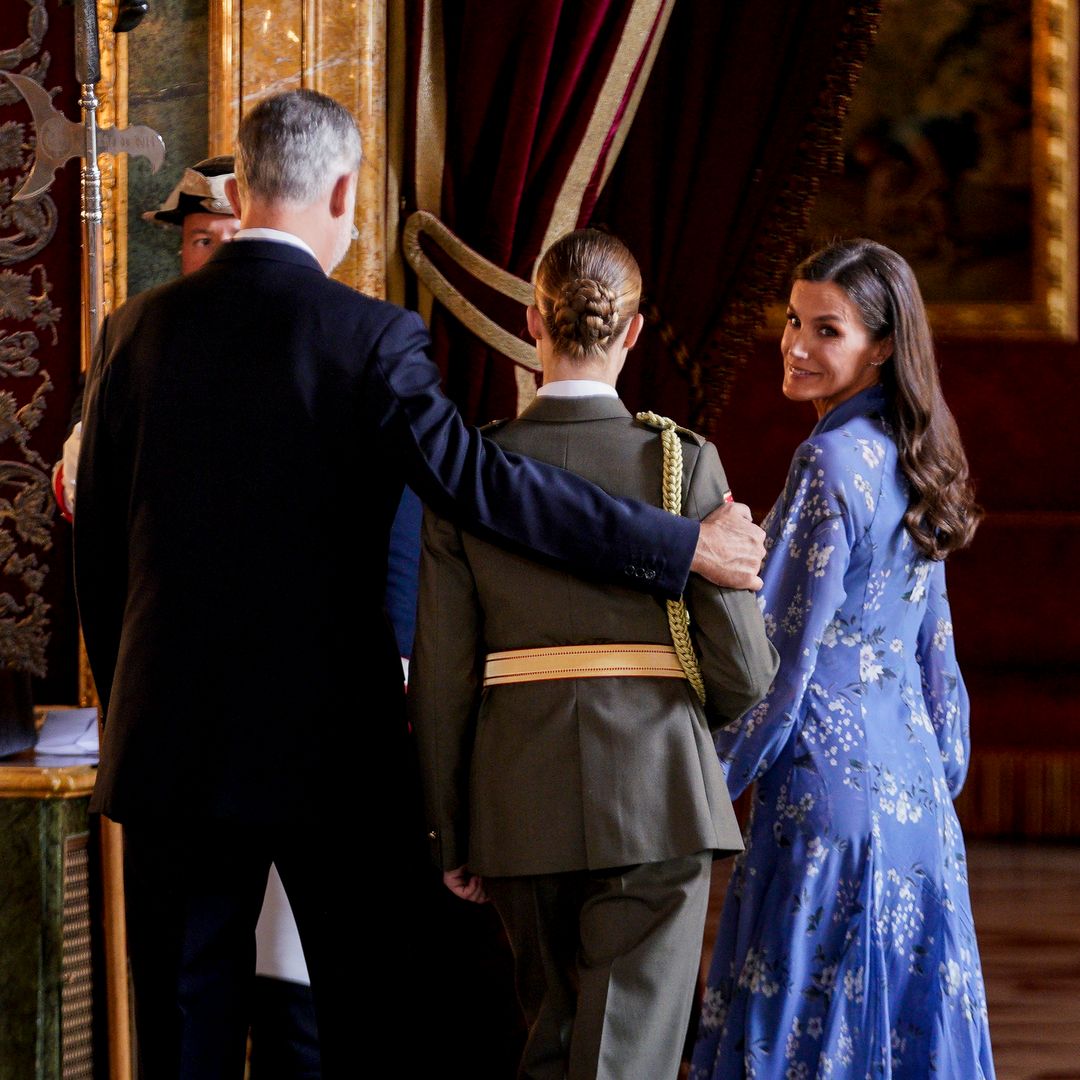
339, 194
232, 193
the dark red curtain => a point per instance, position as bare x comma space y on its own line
522, 80
39, 343
711, 191
740, 113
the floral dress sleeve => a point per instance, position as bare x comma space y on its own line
810, 534
943, 686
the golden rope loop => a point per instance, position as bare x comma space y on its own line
489, 331
678, 616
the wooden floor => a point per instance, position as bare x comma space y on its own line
1026, 901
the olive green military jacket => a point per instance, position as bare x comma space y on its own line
569, 774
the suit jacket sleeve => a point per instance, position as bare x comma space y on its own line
534, 508
101, 555
445, 678
737, 661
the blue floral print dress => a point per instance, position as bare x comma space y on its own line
846, 947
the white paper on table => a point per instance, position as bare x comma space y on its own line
68, 731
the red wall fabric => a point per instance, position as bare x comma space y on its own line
522, 80
58, 266
711, 187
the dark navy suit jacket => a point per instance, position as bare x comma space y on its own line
247, 435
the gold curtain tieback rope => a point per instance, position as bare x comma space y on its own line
473, 263
581, 662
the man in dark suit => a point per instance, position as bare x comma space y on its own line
248, 431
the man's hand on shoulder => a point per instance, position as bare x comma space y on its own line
730, 548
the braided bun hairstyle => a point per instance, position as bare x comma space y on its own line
587, 289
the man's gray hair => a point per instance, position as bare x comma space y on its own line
291, 147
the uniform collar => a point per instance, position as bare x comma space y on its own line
566, 388
571, 409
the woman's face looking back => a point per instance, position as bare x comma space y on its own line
829, 355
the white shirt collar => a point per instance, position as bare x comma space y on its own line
278, 236
567, 388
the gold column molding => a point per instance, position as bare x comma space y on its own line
224, 88
260, 47
112, 93
1056, 143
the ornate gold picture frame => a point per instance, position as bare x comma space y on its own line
960, 151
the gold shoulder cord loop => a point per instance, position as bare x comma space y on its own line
678, 616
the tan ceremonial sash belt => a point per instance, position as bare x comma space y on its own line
581, 662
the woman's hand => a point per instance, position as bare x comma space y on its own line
468, 886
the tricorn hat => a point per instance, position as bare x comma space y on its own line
201, 190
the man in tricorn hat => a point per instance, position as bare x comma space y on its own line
197, 206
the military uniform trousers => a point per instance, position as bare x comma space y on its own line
606, 964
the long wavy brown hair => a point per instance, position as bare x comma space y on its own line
942, 515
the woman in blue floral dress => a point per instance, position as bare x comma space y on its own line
846, 947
